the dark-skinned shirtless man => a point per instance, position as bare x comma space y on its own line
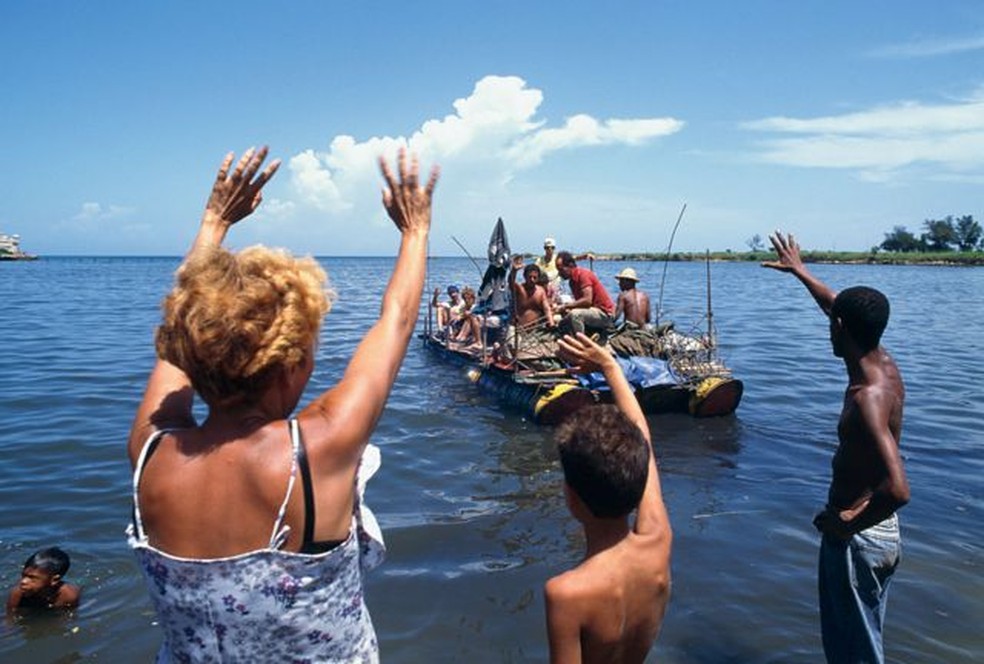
632, 303
860, 548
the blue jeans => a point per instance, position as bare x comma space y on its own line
854, 579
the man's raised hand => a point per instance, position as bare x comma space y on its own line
787, 251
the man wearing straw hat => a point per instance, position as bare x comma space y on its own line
632, 303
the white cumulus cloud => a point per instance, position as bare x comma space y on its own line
494, 131
882, 141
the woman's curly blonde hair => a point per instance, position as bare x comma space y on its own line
233, 319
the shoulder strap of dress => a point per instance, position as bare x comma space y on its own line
148, 448
279, 534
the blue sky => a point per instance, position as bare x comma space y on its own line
591, 122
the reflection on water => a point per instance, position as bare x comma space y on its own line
469, 494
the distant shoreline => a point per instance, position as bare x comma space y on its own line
937, 259
949, 258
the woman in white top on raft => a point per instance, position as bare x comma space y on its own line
249, 526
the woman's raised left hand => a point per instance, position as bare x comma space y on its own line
235, 195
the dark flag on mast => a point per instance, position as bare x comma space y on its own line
493, 294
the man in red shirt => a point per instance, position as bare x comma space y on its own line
592, 307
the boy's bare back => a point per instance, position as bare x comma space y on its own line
615, 601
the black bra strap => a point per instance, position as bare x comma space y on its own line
302, 462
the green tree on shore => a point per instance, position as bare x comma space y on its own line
969, 233
900, 239
755, 243
940, 234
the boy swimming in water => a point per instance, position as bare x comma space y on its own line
610, 607
42, 584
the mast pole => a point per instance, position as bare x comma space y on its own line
666, 263
472, 258
710, 314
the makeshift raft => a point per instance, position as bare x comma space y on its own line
684, 381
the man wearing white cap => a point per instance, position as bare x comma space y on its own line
548, 262
632, 303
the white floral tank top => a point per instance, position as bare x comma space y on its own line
267, 605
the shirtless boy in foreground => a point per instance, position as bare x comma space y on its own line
861, 546
610, 607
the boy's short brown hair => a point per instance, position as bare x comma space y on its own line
605, 459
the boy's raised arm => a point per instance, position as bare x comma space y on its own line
585, 355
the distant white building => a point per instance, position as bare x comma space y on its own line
10, 249
9, 244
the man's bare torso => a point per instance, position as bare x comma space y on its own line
857, 466
531, 309
635, 306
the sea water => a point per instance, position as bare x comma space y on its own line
469, 494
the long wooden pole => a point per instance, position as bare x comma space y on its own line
666, 263
710, 314
474, 262
429, 328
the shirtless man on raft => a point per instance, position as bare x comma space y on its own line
632, 303
531, 303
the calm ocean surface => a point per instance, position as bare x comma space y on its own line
469, 495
